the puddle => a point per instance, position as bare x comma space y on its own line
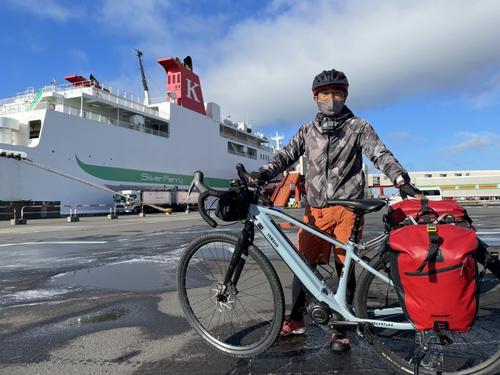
128, 276
103, 316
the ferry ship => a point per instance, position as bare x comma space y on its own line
107, 137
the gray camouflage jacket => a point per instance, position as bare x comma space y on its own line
334, 158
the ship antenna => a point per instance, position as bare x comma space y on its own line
278, 138
144, 82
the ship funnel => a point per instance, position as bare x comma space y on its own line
183, 85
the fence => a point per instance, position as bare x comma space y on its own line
112, 209
11, 211
42, 206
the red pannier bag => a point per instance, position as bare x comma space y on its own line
435, 275
445, 210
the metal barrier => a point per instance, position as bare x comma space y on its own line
23, 220
13, 213
72, 218
37, 206
112, 210
73, 213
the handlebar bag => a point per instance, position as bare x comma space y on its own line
426, 211
232, 206
435, 275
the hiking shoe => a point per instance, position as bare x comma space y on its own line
340, 343
293, 327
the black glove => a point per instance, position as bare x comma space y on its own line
407, 190
260, 177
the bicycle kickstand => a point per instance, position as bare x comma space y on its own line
420, 351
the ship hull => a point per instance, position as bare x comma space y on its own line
96, 152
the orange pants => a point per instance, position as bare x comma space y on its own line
337, 221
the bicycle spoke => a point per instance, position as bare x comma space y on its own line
239, 316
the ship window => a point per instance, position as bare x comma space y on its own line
428, 175
442, 175
234, 148
35, 127
154, 127
252, 153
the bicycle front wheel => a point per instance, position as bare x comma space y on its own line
241, 320
474, 352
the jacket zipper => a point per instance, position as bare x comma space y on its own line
444, 269
327, 164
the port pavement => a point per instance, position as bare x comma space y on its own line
99, 296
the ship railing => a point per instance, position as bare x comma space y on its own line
158, 100
21, 101
104, 92
71, 110
6, 109
27, 95
238, 135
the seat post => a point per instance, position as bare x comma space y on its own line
356, 228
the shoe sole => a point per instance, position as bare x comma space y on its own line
299, 331
340, 348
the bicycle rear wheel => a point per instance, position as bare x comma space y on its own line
474, 352
244, 320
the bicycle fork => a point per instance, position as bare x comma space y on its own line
238, 259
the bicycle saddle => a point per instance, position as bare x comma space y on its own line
361, 205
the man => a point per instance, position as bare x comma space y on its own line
333, 145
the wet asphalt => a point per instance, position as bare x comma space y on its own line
99, 296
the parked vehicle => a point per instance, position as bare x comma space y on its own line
132, 201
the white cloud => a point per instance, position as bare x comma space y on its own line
262, 65
47, 9
389, 50
487, 94
480, 141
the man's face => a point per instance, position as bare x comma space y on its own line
334, 94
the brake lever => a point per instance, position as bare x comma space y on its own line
242, 173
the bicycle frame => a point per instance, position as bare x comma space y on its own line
315, 286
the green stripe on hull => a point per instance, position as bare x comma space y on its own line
146, 177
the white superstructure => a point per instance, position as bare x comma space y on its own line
108, 137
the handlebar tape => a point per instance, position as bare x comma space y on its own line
205, 192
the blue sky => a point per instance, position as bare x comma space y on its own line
426, 75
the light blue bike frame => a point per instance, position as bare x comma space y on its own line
316, 287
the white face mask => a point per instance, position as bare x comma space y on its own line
331, 107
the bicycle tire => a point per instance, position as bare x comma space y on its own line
257, 263
366, 294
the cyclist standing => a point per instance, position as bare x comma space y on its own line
333, 144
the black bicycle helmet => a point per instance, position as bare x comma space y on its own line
332, 78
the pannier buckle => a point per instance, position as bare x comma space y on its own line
431, 228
